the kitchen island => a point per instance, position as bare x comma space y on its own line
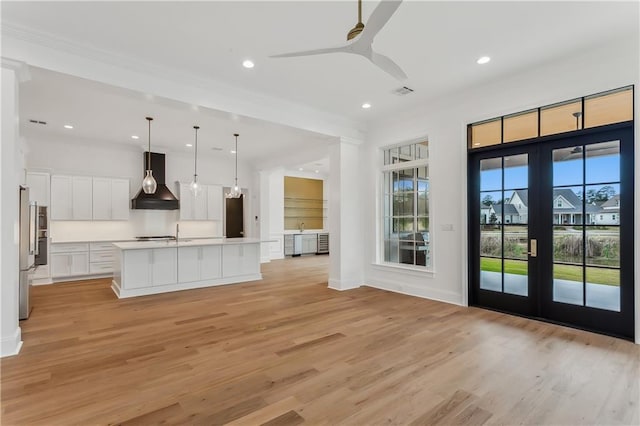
151, 267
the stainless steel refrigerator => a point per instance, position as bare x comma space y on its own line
28, 249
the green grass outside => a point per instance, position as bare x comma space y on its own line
562, 272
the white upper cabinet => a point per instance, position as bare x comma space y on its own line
207, 205
101, 199
89, 198
38, 184
61, 207
82, 197
110, 199
120, 199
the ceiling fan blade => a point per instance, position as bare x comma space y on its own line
387, 65
312, 52
379, 17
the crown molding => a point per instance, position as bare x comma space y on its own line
19, 67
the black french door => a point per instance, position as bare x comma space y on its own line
551, 234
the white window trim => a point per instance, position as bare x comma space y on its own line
379, 258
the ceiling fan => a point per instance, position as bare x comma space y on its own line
360, 38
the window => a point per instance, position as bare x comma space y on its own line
559, 203
405, 210
613, 217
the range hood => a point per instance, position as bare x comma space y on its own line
162, 199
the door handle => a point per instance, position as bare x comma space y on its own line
533, 247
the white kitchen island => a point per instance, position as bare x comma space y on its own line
151, 267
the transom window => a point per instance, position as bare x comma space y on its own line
405, 211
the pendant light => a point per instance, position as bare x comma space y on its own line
235, 192
149, 184
195, 187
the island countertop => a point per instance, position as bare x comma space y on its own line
186, 242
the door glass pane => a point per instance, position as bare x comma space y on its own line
603, 162
567, 207
491, 174
567, 166
491, 257
516, 171
568, 284
603, 288
603, 246
603, 204
515, 243
567, 246
516, 280
491, 273
488, 214
516, 207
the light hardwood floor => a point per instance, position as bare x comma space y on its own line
287, 350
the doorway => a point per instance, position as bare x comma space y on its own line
554, 237
234, 217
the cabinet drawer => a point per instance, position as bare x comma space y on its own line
101, 256
69, 247
100, 267
101, 246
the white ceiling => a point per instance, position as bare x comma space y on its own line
436, 43
105, 114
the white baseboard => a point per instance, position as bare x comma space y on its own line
417, 291
11, 345
42, 281
342, 285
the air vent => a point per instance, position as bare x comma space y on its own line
401, 91
37, 122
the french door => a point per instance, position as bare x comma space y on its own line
551, 234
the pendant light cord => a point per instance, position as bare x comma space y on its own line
149, 150
195, 158
236, 135
359, 11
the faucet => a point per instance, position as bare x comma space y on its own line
301, 226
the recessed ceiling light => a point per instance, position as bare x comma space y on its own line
300, 169
476, 144
317, 171
232, 151
68, 126
483, 60
366, 105
248, 64
188, 144
135, 137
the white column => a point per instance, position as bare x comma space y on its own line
346, 238
10, 172
275, 189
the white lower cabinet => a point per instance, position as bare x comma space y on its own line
135, 269
69, 264
309, 243
150, 267
164, 266
210, 262
240, 259
70, 259
198, 263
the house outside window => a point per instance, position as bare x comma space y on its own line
405, 205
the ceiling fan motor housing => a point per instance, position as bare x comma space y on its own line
355, 31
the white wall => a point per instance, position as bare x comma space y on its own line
10, 171
78, 157
611, 65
